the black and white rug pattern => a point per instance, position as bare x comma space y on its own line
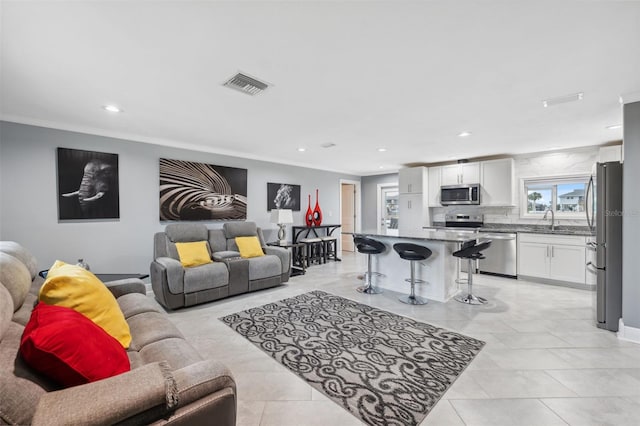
384, 368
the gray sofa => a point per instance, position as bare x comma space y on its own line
176, 286
169, 382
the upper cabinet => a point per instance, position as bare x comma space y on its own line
461, 173
413, 180
497, 185
434, 187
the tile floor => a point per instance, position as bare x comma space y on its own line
545, 363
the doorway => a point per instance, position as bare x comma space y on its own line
349, 212
388, 209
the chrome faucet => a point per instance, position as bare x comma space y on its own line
553, 218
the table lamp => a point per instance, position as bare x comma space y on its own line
281, 217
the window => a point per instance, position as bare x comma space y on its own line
564, 195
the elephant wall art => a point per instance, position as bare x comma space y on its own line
88, 185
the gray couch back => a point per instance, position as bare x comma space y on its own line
219, 239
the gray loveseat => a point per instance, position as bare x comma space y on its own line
176, 286
169, 382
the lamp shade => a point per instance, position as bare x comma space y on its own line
281, 216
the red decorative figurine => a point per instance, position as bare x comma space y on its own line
309, 216
317, 213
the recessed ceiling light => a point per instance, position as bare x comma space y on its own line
381, 167
464, 134
382, 149
614, 126
302, 149
563, 99
112, 108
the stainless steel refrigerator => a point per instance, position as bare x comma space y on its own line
604, 213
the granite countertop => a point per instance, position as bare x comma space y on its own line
534, 229
427, 235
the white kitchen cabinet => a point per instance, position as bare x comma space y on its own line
552, 257
610, 153
434, 187
567, 263
412, 180
498, 183
533, 259
413, 210
413, 213
461, 173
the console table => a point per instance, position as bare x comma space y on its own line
114, 277
314, 231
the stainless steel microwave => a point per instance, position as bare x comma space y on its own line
460, 194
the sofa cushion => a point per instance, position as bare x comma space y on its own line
207, 276
150, 327
217, 240
186, 232
6, 309
264, 267
249, 247
22, 254
70, 348
195, 253
15, 276
20, 386
74, 287
176, 351
239, 229
135, 303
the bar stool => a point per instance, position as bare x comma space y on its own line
413, 253
369, 247
314, 249
471, 250
329, 248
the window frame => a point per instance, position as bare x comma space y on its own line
552, 181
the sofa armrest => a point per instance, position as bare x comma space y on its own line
108, 401
282, 253
172, 271
128, 285
198, 380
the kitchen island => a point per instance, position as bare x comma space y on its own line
439, 270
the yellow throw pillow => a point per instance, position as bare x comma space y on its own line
74, 287
193, 254
249, 247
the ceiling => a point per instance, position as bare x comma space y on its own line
405, 76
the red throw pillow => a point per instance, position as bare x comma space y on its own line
69, 348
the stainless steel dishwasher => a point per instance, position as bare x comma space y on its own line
501, 256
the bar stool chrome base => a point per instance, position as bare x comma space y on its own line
413, 300
470, 299
370, 247
368, 289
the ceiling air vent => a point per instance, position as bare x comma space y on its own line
563, 99
246, 84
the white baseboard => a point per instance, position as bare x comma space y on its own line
630, 334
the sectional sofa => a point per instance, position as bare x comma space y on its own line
168, 382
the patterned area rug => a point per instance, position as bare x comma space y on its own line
384, 368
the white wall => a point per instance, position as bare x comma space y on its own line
28, 197
370, 198
631, 218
